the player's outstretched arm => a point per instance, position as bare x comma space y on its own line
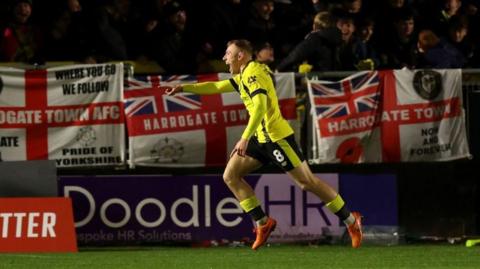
202, 88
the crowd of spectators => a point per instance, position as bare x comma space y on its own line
188, 36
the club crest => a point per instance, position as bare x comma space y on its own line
427, 83
86, 136
167, 150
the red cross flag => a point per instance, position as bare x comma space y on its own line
188, 130
72, 114
390, 116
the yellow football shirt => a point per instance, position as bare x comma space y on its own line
256, 87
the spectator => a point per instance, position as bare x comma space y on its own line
346, 24
440, 19
322, 21
438, 53
474, 32
471, 7
321, 5
21, 41
458, 29
396, 3
152, 24
399, 47
260, 25
223, 23
352, 6
356, 8
111, 30
384, 15
364, 51
451, 8
67, 36
292, 23
319, 48
264, 53
171, 46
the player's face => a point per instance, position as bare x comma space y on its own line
232, 59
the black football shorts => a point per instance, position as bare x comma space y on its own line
285, 152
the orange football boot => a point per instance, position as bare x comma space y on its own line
263, 232
355, 230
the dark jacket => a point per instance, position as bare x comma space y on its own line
318, 48
443, 55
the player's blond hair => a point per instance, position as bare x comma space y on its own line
242, 44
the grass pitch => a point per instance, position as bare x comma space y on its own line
273, 257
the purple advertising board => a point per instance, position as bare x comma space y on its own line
148, 209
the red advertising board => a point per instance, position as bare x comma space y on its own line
37, 225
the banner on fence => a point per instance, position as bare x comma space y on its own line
158, 208
71, 114
188, 129
390, 116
